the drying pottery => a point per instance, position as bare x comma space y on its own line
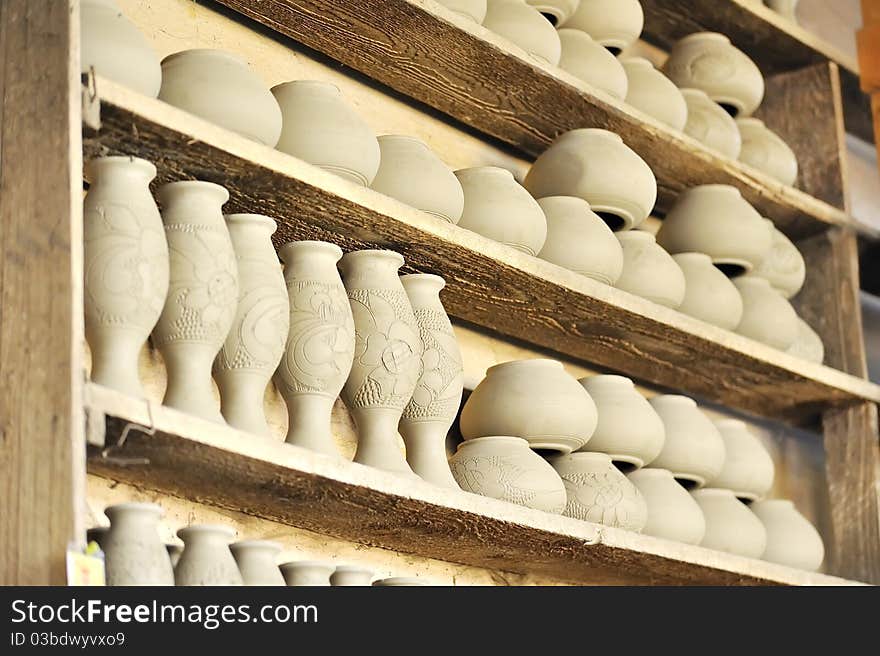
650, 91
672, 512
708, 123
648, 270
256, 561
784, 267
766, 151
615, 24
525, 26
591, 62
351, 576
767, 316
730, 525
133, 552
709, 295
307, 573
791, 539
555, 11
748, 468
807, 345
206, 559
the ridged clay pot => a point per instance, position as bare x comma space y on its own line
672, 512
398, 581
506, 468
320, 344
730, 525
765, 150
526, 27
650, 91
597, 166
133, 552
784, 267
615, 24
307, 573
125, 266
591, 62
708, 123
206, 558
808, 345
709, 295
748, 468
536, 400
579, 240
475, 10
496, 206
202, 297
555, 11
351, 576
767, 316
649, 271
791, 539
256, 561
255, 343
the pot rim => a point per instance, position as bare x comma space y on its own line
267, 545
138, 163
306, 83
373, 252
511, 439
254, 219
678, 399
293, 246
194, 529
714, 492
609, 378
401, 137
484, 170
511, 364
704, 36
221, 192
216, 52
437, 282
308, 564
145, 506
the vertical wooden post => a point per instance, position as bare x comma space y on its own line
42, 447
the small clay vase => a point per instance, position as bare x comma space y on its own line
307, 573
672, 512
615, 24
791, 539
555, 11
591, 62
651, 92
133, 552
767, 316
765, 150
399, 581
748, 468
808, 345
784, 267
351, 576
730, 525
206, 558
708, 123
256, 562
526, 27
709, 295
649, 271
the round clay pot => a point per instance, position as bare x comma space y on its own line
533, 399
307, 573
730, 525
651, 92
555, 11
649, 271
220, 87
615, 24
475, 10
708, 123
672, 512
256, 561
351, 576
506, 468
764, 150
399, 581
784, 267
591, 62
808, 345
748, 468
709, 295
524, 26
767, 316
133, 552
791, 539
206, 558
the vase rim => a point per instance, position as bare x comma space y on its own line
402, 137
307, 564
374, 252
705, 36
694, 255
213, 52
476, 170
437, 282
267, 545
680, 399
409, 580
715, 188
585, 455
511, 439
653, 471
309, 244
143, 506
255, 219
219, 191
323, 84
610, 378
574, 200
353, 569
543, 362
212, 529
138, 163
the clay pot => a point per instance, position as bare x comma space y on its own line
319, 127
672, 512
597, 166
133, 552
709, 295
555, 11
350, 576
649, 271
218, 86
767, 316
785, 8
784, 267
399, 581
125, 268
320, 343
434, 405
791, 539
202, 297
748, 468
524, 26
206, 558
256, 561
506, 468
307, 573
579, 240
807, 345
730, 525
496, 206
591, 62
533, 399
255, 343
764, 150
615, 24
709, 124
410, 172
649, 91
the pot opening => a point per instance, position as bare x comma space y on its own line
553, 18
614, 50
624, 467
612, 220
687, 484
731, 270
549, 453
730, 109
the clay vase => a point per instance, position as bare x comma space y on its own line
651, 92
351, 576
730, 525
591, 62
221, 88
709, 295
202, 297
615, 24
708, 123
597, 491
133, 552
307, 573
649, 271
748, 468
496, 206
255, 343
785, 8
97, 534
629, 430
175, 551
125, 268
555, 11
784, 267
387, 358
320, 128
398, 581
694, 449
672, 512
206, 559
320, 343
808, 345
526, 27
410, 172
597, 166
116, 49
506, 468
791, 539
764, 150
434, 405
767, 316
536, 400
256, 561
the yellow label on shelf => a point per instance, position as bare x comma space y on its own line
85, 568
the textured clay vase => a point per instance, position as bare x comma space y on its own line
597, 166
206, 559
524, 26
506, 468
650, 91
579, 240
748, 468
115, 48
597, 491
202, 297
255, 343
125, 268
808, 345
767, 316
496, 206
256, 561
648, 270
434, 405
672, 512
730, 525
533, 399
591, 62
307, 573
555, 11
764, 150
475, 10
784, 267
220, 87
708, 123
320, 128
791, 539
399, 581
694, 449
709, 295
133, 552
629, 430
351, 576
320, 343
387, 357
410, 172
614, 23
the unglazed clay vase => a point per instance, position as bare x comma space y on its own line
202, 297
506, 468
218, 86
591, 62
613, 23
320, 343
672, 512
410, 172
648, 270
475, 10
597, 166
307, 573
791, 539
116, 49
766, 151
596, 491
526, 27
579, 240
708, 123
256, 561
650, 91
808, 345
784, 267
255, 343
206, 558
730, 525
629, 430
767, 316
434, 405
320, 128
785, 8
709, 295
133, 552
125, 268
694, 449
496, 206
398, 581
555, 11
387, 358
351, 576
533, 399
748, 468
